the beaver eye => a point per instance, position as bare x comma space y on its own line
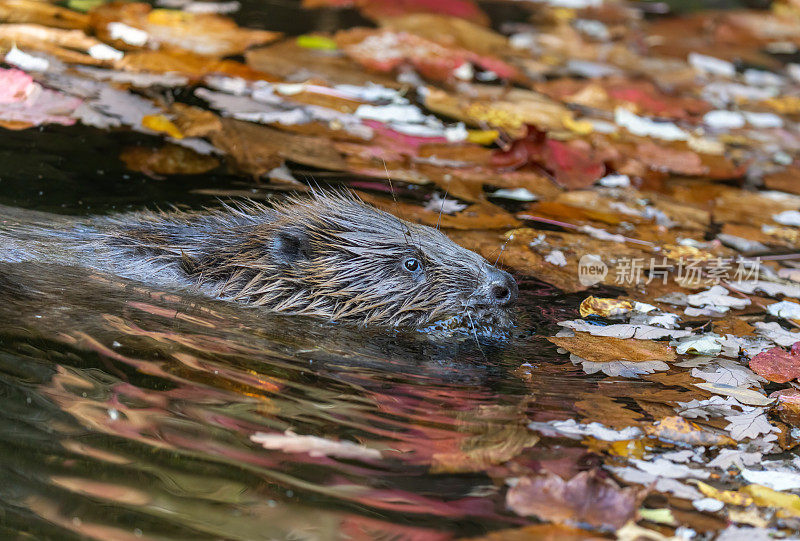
412, 264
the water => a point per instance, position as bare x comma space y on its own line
128, 413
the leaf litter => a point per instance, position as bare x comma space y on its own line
574, 143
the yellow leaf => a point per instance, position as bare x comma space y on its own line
162, 124
687, 252
482, 137
581, 127
604, 307
628, 448
169, 17
787, 105
787, 504
659, 516
727, 496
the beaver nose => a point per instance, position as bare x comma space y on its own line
503, 289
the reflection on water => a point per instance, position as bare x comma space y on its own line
128, 413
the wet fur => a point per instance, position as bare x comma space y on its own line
330, 256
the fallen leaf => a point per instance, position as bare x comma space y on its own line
678, 430
588, 497
777, 364
604, 307
201, 33
385, 50
616, 356
167, 160
788, 505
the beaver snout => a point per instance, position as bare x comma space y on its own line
498, 289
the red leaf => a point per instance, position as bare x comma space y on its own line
573, 163
777, 364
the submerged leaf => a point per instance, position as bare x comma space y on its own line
589, 497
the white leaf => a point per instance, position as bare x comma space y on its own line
729, 457
716, 406
661, 467
745, 396
749, 424
785, 309
771, 289
623, 330
776, 333
731, 373
575, 430
787, 217
646, 127
625, 369
706, 344
717, 296
708, 504
776, 480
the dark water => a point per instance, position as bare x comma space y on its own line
128, 413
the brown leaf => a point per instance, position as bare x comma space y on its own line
476, 216
603, 349
542, 532
286, 59
167, 160
676, 429
508, 109
589, 498
66, 45
450, 32
202, 33
33, 12
189, 64
785, 181
257, 149
385, 50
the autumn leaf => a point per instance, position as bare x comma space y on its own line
201, 33
589, 497
606, 349
777, 364
167, 160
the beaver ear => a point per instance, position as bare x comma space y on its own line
290, 246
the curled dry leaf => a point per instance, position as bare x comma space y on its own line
589, 498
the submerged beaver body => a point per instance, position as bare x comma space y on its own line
330, 256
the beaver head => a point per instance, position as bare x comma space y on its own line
337, 257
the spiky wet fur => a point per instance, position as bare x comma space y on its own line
346, 267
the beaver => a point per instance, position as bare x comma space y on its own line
329, 255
